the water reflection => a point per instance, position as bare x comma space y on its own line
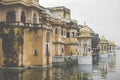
65, 73
37, 75
9, 76
103, 69
85, 72
111, 63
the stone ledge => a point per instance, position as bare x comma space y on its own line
20, 69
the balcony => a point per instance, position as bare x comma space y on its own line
18, 25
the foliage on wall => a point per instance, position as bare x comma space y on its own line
95, 39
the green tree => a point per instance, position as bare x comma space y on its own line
95, 39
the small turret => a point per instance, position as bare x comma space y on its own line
103, 46
85, 31
103, 39
85, 45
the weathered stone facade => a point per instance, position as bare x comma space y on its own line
30, 35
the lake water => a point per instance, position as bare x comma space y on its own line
113, 69
104, 69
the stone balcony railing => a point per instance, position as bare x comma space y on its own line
18, 24
22, 25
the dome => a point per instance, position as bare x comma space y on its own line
112, 43
103, 39
85, 31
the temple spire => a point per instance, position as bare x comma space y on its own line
103, 36
84, 24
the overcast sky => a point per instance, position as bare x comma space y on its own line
103, 16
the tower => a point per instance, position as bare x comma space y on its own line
85, 56
103, 47
111, 48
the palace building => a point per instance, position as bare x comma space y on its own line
30, 34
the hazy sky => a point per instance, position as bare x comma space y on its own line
103, 16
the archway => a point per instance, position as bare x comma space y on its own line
9, 49
56, 31
47, 46
11, 16
85, 49
23, 18
34, 18
47, 54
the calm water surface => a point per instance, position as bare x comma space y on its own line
105, 69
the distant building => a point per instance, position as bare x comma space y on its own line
106, 47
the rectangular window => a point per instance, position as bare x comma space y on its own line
64, 33
68, 34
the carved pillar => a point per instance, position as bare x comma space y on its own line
18, 15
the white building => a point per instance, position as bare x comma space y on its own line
84, 39
103, 47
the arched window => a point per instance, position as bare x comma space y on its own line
23, 19
34, 18
62, 32
35, 53
78, 34
85, 47
11, 16
73, 34
110, 49
62, 50
105, 47
47, 50
68, 34
56, 31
